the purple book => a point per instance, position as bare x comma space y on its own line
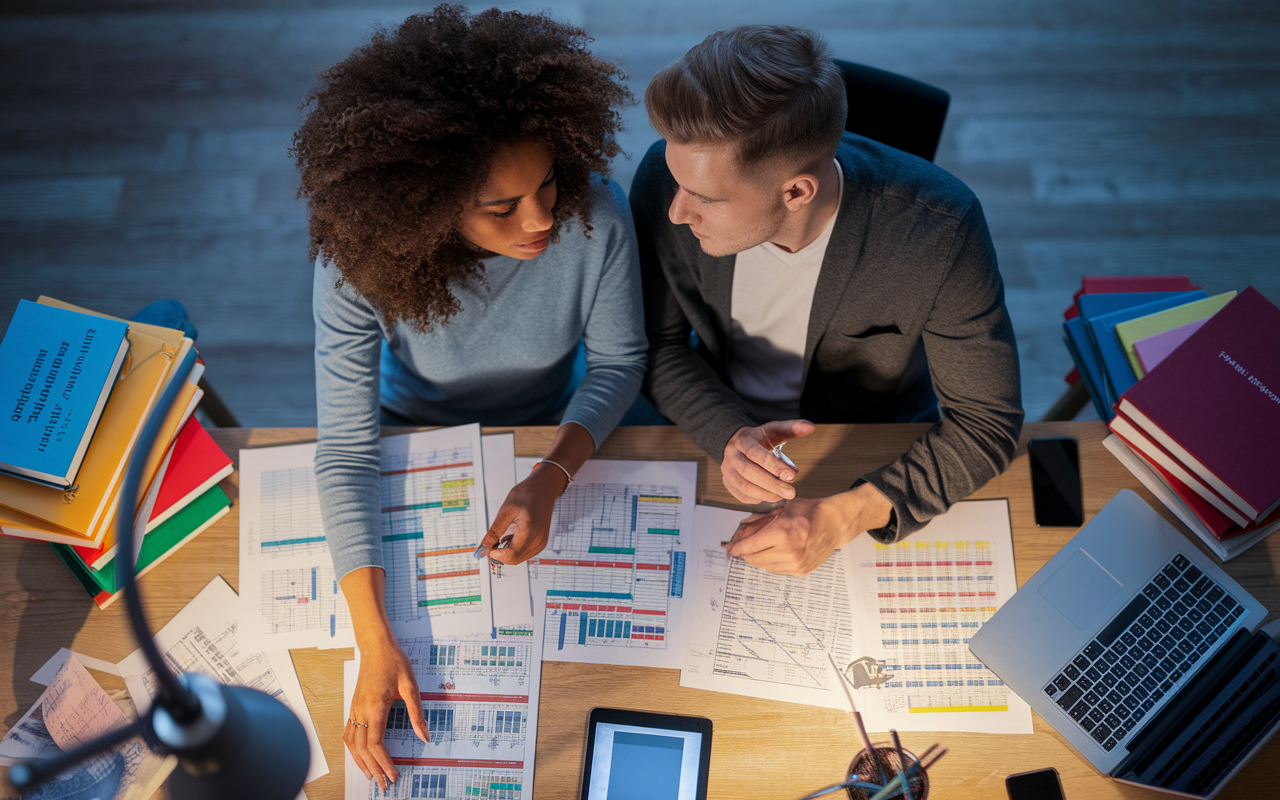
1153, 349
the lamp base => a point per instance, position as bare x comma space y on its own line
260, 752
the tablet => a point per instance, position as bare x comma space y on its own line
635, 755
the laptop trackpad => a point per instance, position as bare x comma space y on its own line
1080, 589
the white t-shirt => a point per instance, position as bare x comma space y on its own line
772, 296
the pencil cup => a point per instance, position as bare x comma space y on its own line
887, 757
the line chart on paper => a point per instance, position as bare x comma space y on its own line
614, 566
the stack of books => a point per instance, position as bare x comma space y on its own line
77, 388
1191, 386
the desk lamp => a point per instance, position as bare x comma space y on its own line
231, 741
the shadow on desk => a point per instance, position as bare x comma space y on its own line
56, 607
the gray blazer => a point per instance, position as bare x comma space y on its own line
908, 315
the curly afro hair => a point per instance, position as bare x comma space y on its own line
403, 131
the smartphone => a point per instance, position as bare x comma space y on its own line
1040, 784
1055, 482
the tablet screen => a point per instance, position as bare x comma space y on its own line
630, 762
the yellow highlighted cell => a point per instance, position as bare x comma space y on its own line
936, 709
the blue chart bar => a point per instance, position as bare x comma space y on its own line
582, 628
635, 508
313, 582
563, 622
626, 630
677, 574
333, 625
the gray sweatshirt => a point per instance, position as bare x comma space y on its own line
505, 359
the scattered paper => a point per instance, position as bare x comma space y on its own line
433, 514
72, 711
204, 638
613, 571
916, 603
44, 676
480, 700
512, 597
763, 635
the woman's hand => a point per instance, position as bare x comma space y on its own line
525, 516
385, 676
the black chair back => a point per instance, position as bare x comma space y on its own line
893, 109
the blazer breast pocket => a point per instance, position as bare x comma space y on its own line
874, 330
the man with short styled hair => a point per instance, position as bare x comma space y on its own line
828, 278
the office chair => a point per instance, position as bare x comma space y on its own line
893, 109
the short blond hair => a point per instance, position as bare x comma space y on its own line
771, 90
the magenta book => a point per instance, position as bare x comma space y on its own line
1214, 403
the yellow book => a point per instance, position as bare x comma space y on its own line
1136, 330
81, 508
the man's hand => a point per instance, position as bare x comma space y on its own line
753, 474
525, 516
797, 538
385, 676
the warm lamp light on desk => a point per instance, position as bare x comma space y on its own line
230, 741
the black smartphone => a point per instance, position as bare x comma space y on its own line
1055, 482
1040, 784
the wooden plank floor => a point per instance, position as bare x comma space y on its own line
143, 149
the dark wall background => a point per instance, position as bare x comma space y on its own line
143, 149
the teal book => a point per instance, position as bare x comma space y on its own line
57, 368
1095, 305
1117, 372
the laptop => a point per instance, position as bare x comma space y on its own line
1142, 653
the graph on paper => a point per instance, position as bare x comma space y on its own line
779, 628
933, 596
431, 514
614, 565
479, 700
916, 603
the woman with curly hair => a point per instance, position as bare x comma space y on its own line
465, 244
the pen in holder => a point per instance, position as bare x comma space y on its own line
883, 767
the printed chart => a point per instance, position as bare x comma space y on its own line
614, 566
431, 517
917, 604
480, 701
764, 635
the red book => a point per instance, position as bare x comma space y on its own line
1110, 284
195, 464
1214, 404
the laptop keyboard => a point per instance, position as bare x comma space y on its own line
1111, 685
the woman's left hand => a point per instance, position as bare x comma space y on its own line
525, 516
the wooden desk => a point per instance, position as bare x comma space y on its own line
762, 749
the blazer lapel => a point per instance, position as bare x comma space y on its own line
715, 282
839, 263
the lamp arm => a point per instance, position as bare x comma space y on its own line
171, 695
32, 773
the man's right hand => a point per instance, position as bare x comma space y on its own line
751, 472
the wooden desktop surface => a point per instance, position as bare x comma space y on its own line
762, 749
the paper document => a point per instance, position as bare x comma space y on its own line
763, 635
44, 676
512, 597
432, 518
614, 567
203, 637
72, 711
916, 603
480, 700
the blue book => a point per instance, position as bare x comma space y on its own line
57, 368
1117, 372
1096, 305
1081, 350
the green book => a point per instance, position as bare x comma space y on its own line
158, 545
1140, 328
